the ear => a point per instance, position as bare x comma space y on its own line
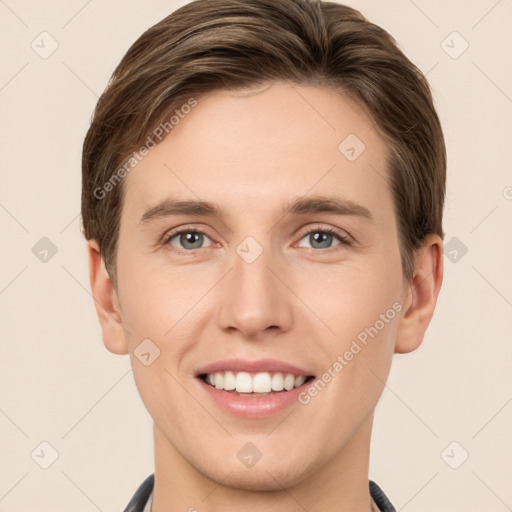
421, 294
106, 302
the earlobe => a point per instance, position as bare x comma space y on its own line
106, 302
421, 299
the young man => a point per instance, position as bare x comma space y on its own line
263, 188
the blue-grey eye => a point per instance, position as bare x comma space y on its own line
188, 239
322, 239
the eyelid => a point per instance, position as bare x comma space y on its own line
188, 228
345, 238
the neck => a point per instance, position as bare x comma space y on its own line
339, 485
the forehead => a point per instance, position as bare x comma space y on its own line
250, 148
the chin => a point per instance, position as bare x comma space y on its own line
264, 479
263, 476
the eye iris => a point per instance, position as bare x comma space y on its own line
321, 237
188, 238
194, 239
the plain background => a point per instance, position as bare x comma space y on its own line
60, 385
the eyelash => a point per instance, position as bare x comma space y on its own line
345, 241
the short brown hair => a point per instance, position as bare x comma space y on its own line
227, 44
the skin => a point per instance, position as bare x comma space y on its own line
252, 153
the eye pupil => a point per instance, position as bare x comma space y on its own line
321, 237
188, 238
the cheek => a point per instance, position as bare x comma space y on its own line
365, 318
356, 359
349, 300
157, 302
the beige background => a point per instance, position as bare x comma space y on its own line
60, 385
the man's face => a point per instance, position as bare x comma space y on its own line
262, 282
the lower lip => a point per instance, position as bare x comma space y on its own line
252, 407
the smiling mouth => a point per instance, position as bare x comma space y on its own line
254, 384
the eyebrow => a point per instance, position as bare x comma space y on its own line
300, 206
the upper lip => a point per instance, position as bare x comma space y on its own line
259, 365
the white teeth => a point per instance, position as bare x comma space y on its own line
229, 381
261, 382
243, 382
299, 381
289, 381
219, 380
277, 382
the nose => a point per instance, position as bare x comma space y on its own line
254, 301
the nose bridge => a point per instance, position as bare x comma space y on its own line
253, 298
